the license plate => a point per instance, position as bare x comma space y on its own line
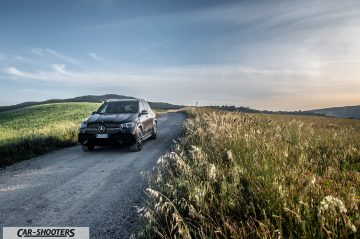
102, 136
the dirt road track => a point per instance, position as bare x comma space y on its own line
69, 187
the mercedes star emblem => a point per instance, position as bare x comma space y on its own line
101, 129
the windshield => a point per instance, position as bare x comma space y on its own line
119, 107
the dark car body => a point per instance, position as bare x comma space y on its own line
126, 121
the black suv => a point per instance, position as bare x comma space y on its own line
126, 121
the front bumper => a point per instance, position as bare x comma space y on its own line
115, 135
90, 139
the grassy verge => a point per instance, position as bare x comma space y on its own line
237, 175
35, 130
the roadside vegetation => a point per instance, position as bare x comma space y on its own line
35, 130
236, 175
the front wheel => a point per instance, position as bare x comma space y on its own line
138, 140
154, 132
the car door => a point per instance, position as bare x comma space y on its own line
144, 118
151, 117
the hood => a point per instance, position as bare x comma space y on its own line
110, 118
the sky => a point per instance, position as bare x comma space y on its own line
275, 55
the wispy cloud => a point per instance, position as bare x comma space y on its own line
216, 84
15, 72
60, 69
94, 56
53, 53
37, 51
283, 33
61, 56
19, 58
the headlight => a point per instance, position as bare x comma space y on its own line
83, 125
127, 125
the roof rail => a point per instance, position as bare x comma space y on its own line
126, 99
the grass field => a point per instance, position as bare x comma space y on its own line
235, 175
31, 131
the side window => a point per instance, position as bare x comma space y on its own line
147, 106
103, 108
142, 106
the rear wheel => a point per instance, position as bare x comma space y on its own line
87, 148
154, 132
138, 140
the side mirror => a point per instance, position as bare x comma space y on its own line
94, 112
144, 112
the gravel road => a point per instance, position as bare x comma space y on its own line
98, 189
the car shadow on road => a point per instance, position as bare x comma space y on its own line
115, 148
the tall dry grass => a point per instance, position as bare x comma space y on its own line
235, 175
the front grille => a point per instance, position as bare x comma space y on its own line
111, 128
107, 125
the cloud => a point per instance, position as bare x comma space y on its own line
37, 51
288, 34
217, 84
61, 56
48, 52
56, 73
278, 89
261, 14
15, 72
94, 56
19, 58
59, 68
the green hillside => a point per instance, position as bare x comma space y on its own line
88, 98
340, 112
34, 130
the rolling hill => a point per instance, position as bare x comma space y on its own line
88, 98
340, 112
349, 112
352, 112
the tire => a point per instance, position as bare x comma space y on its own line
87, 148
155, 131
137, 146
